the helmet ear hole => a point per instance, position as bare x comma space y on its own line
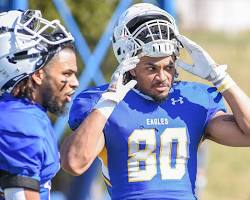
124, 48
119, 51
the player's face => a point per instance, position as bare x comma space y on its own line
60, 81
155, 76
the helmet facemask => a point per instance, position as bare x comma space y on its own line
155, 38
31, 26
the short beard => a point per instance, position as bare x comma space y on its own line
159, 99
51, 102
53, 106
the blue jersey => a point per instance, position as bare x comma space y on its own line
28, 145
151, 147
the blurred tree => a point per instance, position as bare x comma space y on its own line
92, 16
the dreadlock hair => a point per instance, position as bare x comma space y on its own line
24, 89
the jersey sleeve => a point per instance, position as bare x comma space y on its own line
21, 154
215, 103
83, 105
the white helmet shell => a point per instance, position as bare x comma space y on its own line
145, 29
27, 42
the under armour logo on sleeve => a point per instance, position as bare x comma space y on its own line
174, 101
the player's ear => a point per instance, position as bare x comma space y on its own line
38, 76
132, 73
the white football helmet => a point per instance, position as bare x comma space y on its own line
28, 41
145, 30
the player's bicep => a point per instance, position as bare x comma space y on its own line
223, 129
20, 194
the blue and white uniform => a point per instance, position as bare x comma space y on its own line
28, 146
151, 147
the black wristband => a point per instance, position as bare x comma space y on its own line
8, 180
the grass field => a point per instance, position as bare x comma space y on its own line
228, 168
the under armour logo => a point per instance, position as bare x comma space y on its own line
174, 101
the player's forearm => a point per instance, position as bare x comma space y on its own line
239, 103
81, 148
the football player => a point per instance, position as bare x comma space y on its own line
145, 126
37, 74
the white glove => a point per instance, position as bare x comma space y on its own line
117, 90
203, 65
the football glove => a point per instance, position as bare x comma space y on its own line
204, 66
117, 90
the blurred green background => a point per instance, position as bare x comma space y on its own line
228, 171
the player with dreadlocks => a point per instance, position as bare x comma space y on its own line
37, 74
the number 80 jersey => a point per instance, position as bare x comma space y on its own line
151, 147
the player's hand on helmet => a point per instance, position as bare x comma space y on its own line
117, 90
203, 65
